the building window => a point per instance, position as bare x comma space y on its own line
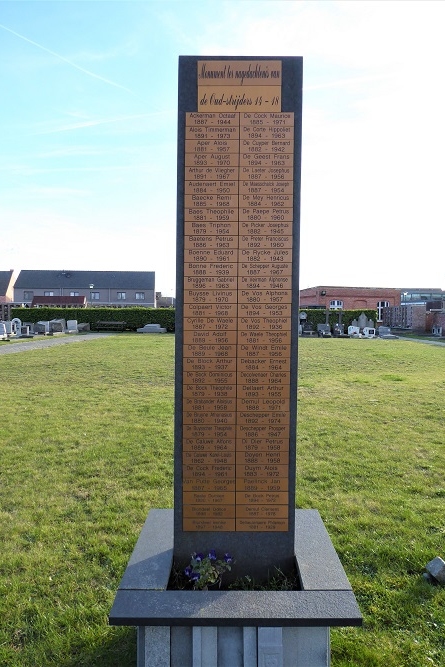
28, 296
380, 306
94, 296
335, 304
48, 293
121, 296
74, 293
140, 296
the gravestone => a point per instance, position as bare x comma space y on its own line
369, 332
42, 327
237, 325
362, 321
16, 325
57, 326
151, 328
71, 327
385, 333
308, 329
353, 331
8, 327
338, 330
25, 331
324, 330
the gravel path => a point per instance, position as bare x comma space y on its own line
421, 340
40, 342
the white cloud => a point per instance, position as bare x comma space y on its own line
58, 56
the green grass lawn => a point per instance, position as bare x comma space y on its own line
371, 458
86, 437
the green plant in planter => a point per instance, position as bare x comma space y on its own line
277, 581
205, 571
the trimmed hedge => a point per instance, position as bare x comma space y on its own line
137, 317
134, 317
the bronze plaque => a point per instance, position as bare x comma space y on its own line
262, 525
198, 525
237, 299
239, 85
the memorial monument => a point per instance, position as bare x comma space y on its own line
239, 151
238, 208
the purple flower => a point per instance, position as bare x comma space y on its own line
228, 558
198, 557
195, 576
188, 571
212, 554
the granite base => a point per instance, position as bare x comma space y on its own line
234, 628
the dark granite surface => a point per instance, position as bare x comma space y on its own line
326, 598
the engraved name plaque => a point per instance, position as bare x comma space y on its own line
239, 148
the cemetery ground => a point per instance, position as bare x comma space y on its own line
86, 438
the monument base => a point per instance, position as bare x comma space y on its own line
234, 628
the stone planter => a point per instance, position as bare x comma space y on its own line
234, 628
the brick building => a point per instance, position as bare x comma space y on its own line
6, 286
6, 293
418, 317
350, 298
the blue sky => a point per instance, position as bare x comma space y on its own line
88, 104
